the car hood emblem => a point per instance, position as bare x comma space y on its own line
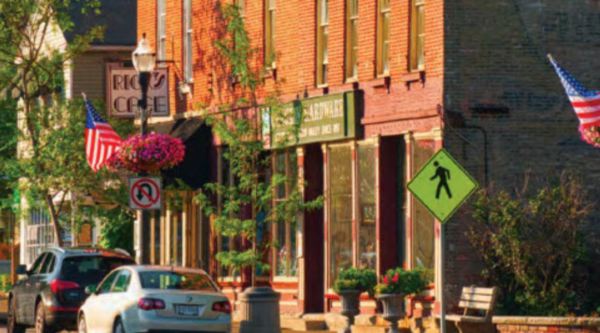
189, 299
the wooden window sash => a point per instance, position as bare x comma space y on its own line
241, 5
322, 42
270, 33
351, 40
162, 29
383, 37
417, 36
188, 32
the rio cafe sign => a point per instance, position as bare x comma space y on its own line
124, 92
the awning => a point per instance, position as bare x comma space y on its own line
197, 138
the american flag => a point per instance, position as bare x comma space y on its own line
585, 102
101, 141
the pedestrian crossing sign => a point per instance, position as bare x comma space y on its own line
442, 185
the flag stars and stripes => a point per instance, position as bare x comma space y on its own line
101, 141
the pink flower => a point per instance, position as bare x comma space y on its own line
385, 280
395, 278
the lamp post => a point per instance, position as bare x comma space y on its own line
144, 60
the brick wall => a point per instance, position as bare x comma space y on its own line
497, 77
296, 65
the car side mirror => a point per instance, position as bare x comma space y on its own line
22, 270
91, 289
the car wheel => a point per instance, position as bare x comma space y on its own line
11, 320
119, 328
81, 327
40, 320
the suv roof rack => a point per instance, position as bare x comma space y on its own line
59, 249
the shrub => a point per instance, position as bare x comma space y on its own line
531, 245
363, 280
5, 284
401, 281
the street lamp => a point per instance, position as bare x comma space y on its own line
144, 60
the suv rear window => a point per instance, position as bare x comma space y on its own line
88, 270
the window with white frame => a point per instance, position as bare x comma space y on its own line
322, 41
351, 39
188, 66
161, 29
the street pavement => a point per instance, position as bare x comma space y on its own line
3, 330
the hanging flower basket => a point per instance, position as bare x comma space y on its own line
148, 153
591, 135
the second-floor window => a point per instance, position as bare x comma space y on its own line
417, 35
161, 30
383, 38
322, 41
270, 33
351, 39
241, 5
187, 41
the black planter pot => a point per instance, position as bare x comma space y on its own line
350, 307
393, 309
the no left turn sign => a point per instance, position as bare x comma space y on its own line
145, 193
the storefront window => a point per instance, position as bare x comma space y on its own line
423, 222
367, 257
285, 258
340, 208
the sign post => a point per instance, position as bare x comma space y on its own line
442, 186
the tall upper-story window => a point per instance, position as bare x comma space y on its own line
188, 70
161, 30
417, 35
241, 5
351, 39
270, 33
322, 41
383, 38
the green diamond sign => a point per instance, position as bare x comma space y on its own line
442, 185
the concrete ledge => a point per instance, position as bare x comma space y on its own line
546, 321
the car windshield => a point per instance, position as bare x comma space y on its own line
87, 270
167, 280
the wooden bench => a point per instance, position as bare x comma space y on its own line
479, 305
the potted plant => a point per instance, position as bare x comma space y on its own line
395, 285
149, 153
350, 284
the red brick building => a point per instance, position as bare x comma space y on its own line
403, 70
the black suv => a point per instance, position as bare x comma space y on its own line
49, 297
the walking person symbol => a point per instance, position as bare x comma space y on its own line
444, 175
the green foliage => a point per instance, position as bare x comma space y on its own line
239, 132
5, 284
532, 246
363, 280
405, 282
51, 161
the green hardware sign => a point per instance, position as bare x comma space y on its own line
321, 119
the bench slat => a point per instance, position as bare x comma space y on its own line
480, 291
475, 297
474, 305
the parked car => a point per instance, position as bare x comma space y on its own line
155, 299
50, 295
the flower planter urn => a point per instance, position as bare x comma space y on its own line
393, 309
350, 307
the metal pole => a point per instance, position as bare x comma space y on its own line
144, 81
442, 288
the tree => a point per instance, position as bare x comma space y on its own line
51, 159
241, 205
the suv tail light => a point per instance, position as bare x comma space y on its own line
58, 286
148, 304
224, 307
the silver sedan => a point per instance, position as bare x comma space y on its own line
152, 298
